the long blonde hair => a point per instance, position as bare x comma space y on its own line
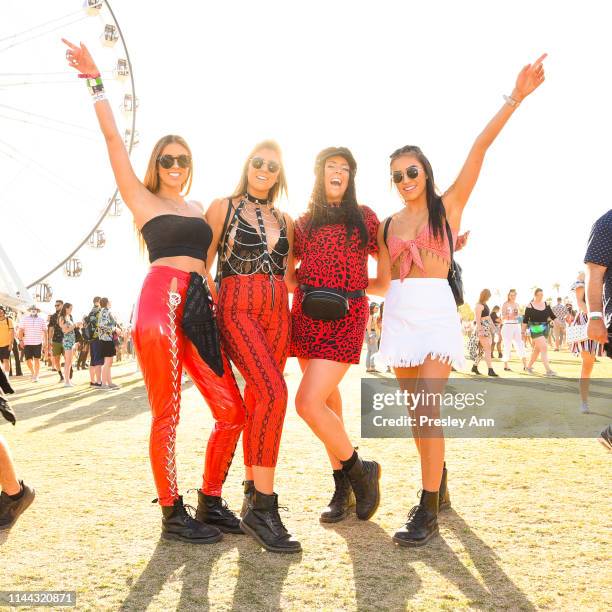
280, 187
151, 179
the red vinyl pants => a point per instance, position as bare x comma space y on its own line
255, 333
162, 352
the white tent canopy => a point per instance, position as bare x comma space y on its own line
13, 292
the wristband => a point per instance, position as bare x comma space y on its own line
88, 76
98, 97
510, 101
595, 315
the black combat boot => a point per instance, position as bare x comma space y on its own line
445, 501
422, 522
364, 477
263, 523
249, 489
177, 524
341, 501
213, 510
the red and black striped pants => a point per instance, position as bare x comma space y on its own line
255, 334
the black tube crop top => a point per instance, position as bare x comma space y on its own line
175, 235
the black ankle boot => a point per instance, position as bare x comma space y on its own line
444, 498
263, 523
11, 509
364, 477
422, 522
341, 501
492, 372
178, 525
249, 489
213, 510
475, 369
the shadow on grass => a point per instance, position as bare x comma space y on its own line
120, 405
389, 581
261, 575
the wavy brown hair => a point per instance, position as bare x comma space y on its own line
151, 180
485, 294
280, 187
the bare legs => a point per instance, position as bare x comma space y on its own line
540, 348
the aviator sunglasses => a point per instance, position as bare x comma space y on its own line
258, 162
167, 161
411, 172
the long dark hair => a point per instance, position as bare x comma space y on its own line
348, 213
62, 314
435, 207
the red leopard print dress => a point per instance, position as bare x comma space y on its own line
325, 262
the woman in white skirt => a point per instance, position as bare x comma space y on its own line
511, 330
421, 336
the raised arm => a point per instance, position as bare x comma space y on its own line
455, 199
133, 192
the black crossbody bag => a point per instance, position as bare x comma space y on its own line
454, 273
326, 304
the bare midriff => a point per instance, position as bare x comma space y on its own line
183, 263
433, 267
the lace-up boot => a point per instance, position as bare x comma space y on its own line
177, 524
263, 523
341, 501
249, 489
213, 510
364, 477
422, 523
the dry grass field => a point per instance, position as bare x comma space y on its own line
529, 528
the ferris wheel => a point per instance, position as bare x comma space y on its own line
56, 187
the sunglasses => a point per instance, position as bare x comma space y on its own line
411, 172
258, 162
167, 161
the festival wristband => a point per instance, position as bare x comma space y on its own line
95, 86
595, 315
510, 101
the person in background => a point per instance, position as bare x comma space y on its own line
372, 336
480, 344
96, 360
497, 339
33, 339
511, 330
68, 327
7, 335
84, 345
537, 317
56, 335
560, 310
106, 327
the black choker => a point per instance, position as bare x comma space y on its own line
255, 200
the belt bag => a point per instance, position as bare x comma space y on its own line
538, 328
326, 304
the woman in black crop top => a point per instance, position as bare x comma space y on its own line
252, 241
174, 323
537, 317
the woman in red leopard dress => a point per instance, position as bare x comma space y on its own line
332, 242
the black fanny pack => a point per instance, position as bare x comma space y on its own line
199, 323
327, 304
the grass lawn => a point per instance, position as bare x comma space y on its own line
529, 528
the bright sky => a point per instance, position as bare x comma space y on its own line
370, 76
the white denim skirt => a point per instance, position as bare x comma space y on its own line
420, 319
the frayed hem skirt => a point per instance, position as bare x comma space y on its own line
420, 320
